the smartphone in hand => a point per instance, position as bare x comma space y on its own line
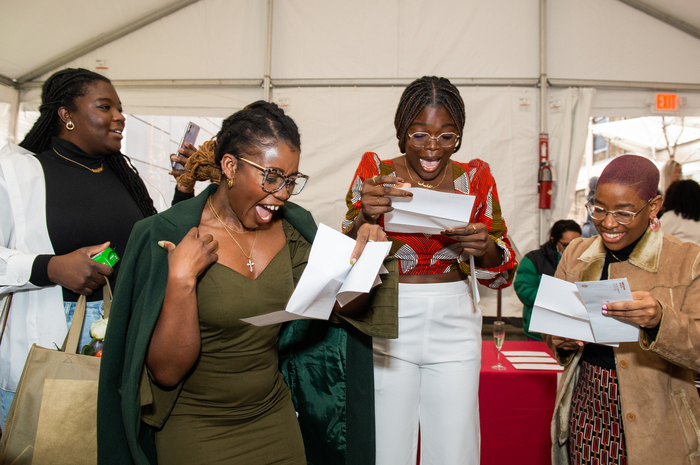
190, 135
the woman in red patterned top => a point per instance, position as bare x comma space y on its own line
430, 374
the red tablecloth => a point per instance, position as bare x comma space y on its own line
516, 408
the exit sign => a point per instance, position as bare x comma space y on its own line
666, 102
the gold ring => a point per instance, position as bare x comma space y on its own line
474, 227
374, 179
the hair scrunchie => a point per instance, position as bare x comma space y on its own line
201, 166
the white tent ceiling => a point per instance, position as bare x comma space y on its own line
605, 40
334, 63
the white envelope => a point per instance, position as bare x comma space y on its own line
559, 311
574, 311
428, 212
608, 329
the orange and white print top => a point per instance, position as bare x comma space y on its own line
435, 253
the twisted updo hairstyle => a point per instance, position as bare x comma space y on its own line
423, 92
61, 90
260, 124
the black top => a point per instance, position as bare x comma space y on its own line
602, 355
545, 259
83, 209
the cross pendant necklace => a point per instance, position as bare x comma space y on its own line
248, 256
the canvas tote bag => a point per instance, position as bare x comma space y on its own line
53, 417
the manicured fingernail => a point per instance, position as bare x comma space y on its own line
161, 244
605, 307
580, 344
352, 261
605, 312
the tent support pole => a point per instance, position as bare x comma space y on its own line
541, 224
14, 121
7, 81
268, 53
666, 18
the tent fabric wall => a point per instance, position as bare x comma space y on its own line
608, 40
9, 99
394, 38
568, 116
210, 39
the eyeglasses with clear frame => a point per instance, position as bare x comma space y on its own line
423, 139
274, 179
623, 217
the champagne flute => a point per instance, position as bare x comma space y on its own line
499, 335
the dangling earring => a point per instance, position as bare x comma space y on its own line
654, 223
230, 183
70, 126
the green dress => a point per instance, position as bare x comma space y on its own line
234, 406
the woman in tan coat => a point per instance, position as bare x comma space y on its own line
636, 403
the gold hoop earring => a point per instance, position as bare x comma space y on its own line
70, 126
230, 183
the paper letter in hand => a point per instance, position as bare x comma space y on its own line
559, 311
328, 277
574, 311
428, 212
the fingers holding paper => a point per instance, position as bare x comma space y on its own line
366, 233
376, 192
643, 310
564, 343
474, 239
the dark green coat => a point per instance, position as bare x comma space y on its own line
328, 365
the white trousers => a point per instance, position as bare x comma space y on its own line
429, 376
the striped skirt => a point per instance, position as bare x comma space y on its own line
596, 434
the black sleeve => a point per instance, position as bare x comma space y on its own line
179, 196
652, 332
40, 271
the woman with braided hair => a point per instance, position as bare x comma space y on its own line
66, 194
183, 380
429, 376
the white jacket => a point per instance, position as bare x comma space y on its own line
36, 314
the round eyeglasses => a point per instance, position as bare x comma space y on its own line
623, 217
423, 139
274, 179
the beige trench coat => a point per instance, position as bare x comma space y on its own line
660, 404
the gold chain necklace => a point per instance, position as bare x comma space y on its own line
614, 256
424, 184
95, 170
250, 262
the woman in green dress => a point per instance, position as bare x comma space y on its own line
208, 385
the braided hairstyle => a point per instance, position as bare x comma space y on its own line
260, 124
423, 92
61, 90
